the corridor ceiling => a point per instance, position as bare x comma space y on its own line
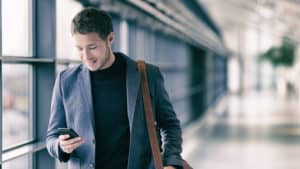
276, 18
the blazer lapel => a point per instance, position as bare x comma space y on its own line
87, 92
132, 88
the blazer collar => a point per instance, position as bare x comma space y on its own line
132, 87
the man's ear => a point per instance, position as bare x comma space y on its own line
111, 37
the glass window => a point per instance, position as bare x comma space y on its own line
24, 162
17, 114
124, 37
17, 27
116, 21
65, 11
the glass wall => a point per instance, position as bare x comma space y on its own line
17, 28
17, 113
65, 11
17, 101
27, 46
23, 162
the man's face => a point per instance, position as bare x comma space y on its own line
94, 52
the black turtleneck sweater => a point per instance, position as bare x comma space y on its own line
111, 120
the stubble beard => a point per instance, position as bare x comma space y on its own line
108, 56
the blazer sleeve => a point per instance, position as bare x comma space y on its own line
168, 123
57, 119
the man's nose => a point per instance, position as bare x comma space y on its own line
86, 54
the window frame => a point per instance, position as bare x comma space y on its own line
42, 76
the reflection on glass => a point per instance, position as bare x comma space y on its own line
17, 127
16, 27
24, 162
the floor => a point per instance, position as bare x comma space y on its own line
254, 131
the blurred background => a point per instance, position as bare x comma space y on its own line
231, 68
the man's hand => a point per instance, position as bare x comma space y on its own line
169, 167
69, 145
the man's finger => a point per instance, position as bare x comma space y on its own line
77, 144
74, 145
71, 141
69, 151
63, 137
71, 147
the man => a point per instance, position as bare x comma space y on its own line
101, 100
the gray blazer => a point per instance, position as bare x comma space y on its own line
72, 107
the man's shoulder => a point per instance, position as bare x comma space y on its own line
71, 72
151, 67
153, 73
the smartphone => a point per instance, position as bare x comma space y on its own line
69, 131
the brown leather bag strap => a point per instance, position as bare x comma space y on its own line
149, 116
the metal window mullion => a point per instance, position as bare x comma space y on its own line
44, 74
1, 112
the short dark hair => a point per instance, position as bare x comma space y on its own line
92, 20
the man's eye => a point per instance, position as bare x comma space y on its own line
92, 47
79, 49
